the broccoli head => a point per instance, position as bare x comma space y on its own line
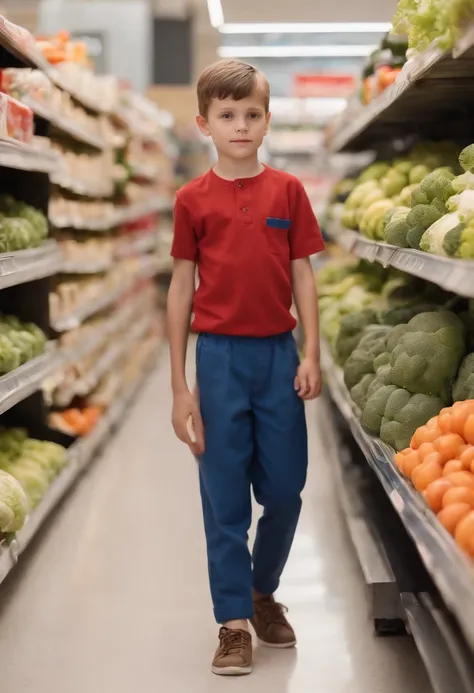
361, 361
403, 414
373, 411
350, 332
359, 391
437, 185
428, 355
463, 387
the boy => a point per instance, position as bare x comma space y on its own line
250, 230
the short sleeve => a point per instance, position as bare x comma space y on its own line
184, 245
305, 235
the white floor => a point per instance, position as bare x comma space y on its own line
114, 596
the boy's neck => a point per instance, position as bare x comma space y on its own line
231, 169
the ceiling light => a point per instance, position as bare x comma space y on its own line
295, 51
216, 14
306, 28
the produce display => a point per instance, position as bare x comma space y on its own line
439, 21
21, 226
13, 504
440, 463
405, 347
19, 342
397, 201
383, 66
33, 463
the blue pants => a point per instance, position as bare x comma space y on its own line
256, 437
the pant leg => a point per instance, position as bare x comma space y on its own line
224, 475
280, 467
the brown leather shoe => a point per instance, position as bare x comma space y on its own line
271, 625
234, 654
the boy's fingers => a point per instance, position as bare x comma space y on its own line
297, 383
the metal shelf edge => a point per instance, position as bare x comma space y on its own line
448, 273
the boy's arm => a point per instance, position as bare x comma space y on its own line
308, 380
185, 406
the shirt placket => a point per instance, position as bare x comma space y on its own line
245, 209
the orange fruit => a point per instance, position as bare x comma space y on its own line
451, 515
452, 466
427, 472
448, 446
468, 431
465, 479
435, 492
458, 494
464, 534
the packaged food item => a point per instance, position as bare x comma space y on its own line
19, 119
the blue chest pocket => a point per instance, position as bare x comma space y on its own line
275, 223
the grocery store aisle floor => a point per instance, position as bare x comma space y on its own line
113, 596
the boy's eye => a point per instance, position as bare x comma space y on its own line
226, 116
254, 115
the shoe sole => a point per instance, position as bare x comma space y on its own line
277, 646
231, 671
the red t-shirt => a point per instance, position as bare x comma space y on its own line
243, 235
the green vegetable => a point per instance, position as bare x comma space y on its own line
432, 240
403, 414
463, 204
466, 158
351, 332
361, 361
393, 183
422, 216
428, 354
463, 387
374, 408
452, 240
437, 185
417, 173
414, 236
359, 391
12, 497
374, 172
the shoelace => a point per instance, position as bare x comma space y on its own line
272, 612
232, 641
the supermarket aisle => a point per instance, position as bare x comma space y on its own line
114, 595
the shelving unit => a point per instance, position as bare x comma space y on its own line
432, 89
127, 301
431, 99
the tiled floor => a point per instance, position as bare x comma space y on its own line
114, 596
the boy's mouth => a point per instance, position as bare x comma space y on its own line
240, 141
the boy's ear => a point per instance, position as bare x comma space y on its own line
268, 118
202, 125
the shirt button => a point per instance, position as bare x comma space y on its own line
240, 184
245, 209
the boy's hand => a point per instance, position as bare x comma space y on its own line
187, 422
308, 381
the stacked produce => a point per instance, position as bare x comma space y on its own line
418, 202
19, 342
33, 463
21, 225
439, 21
13, 504
404, 346
440, 464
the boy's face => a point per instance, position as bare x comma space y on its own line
237, 128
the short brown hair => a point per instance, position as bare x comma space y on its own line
230, 78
